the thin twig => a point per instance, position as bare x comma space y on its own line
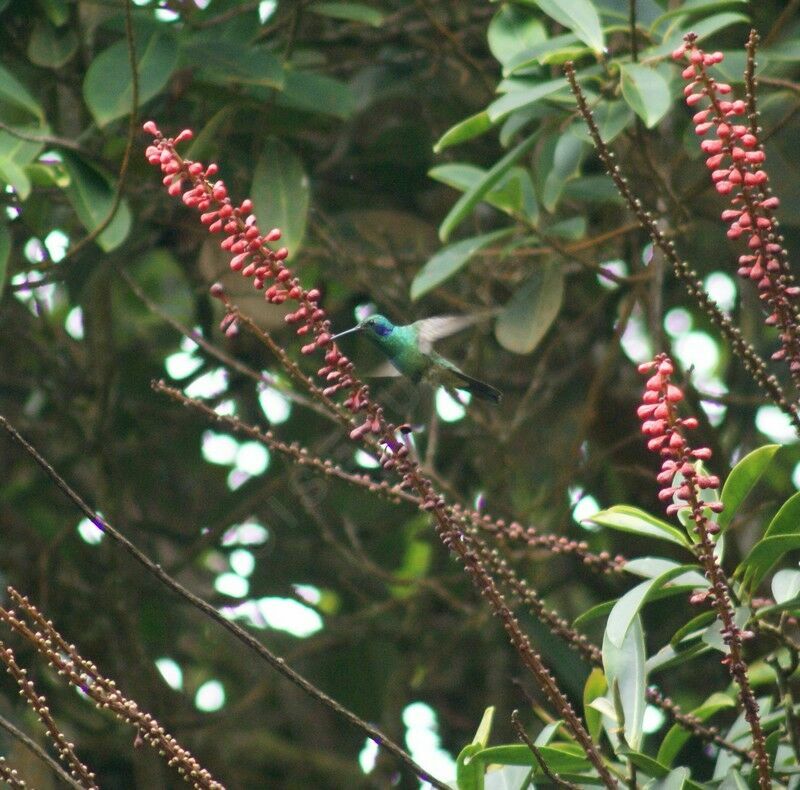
276, 662
29, 743
126, 156
525, 738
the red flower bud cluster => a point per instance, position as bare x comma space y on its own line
666, 432
736, 160
252, 257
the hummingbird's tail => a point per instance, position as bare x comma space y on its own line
480, 389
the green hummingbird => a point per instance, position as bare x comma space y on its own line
410, 351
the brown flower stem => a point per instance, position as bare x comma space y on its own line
65, 749
524, 737
276, 662
34, 747
10, 776
732, 635
752, 362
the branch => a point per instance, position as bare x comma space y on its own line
276, 662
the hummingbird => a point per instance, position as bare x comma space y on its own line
409, 349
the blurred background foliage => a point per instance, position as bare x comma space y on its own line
421, 157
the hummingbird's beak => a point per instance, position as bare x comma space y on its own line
356, 328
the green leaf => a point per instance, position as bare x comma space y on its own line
650, 567
281, 192
625, 668
605, 608
538, 54
467, 129
13, 92
596, 686
692, 629
646, 91
14, 175
513, 193
763, 556
108, 85
57, 11
644, 763
611, 117
567, 155
449, 260
350, 12
628, 607
91, 193
670, 656
712, 636
532, 309
631, 519
50, 47
702, 29
476, 193
303, 90
514, 30
741, 480
677, 736
228, 63
548, 733
469, 772
579, 16
558, 759
692, 7
516, 99
785, 586
5, 254
484, 728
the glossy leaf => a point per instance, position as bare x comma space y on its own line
316, 93
646, 92
763, 556
281, 192
625, 668
538, 54
567, 155
786, 585
741, 480
517, 99
631, 519
471, 127
628, 607
228, 63
15, 176
672, 656
579, 16
514, 30
712, 636
596, 686
450, 260
108, 85
693, 629
513, 194
91, 193
650, 567
476, 193
50, 47
677, 736
558, 759
351, 12
532, 309
605, 608
469, 772
13, 92
5, 254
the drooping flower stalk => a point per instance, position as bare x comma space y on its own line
682, 483
254, 258
736, 159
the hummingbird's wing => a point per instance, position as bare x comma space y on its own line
383, 371
429, 330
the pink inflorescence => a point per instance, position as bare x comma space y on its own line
253, 257
666, 432
736, 159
